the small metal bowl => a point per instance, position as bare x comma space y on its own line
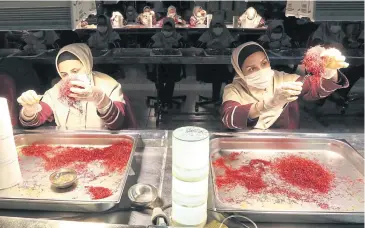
63, 178
142, 194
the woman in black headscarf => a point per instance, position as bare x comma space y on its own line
130, 15
169, 74
217, 37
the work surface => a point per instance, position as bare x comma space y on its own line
152, 165
187, 56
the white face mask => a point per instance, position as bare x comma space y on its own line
335, 28
102, 29
171, 15
276, 36
260, 79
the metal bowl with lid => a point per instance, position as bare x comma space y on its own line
142, 194
63, 178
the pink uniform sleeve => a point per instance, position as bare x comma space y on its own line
46, 114
317, 88
235, 115
114, 117
193, 21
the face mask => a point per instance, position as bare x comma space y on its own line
38, 34
217, 31
171, 15
260, 79
276, 36
167, 34
102, 29
335, 28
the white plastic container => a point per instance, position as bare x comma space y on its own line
190, 148
6, 128
190, 194
190, 171
10, 174
183, 216
8, 150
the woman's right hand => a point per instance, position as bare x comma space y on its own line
285, 93
30, 102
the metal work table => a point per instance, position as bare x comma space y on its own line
152, 165
189, 56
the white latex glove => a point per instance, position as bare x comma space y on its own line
285, 93
268, 118
334, 61
30, 102
83, 91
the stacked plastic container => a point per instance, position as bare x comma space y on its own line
9, 165
190, 173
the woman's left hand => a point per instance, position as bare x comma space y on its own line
334, 61
83, 91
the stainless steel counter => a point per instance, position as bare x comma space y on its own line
189, 56
152, 165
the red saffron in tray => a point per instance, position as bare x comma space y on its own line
304, 173
99, 192
113, 158
307, 175
249, 176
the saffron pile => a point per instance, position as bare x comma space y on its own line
249, 176
64, 94
277, 177
113, 158
304, 173
314, 63
99, 192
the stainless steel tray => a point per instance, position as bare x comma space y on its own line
346, 200
35, 191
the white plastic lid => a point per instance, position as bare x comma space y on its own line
190, 133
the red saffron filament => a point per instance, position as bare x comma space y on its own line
99, 192
113, 158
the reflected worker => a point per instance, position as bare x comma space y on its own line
171, 13
104, 37
199, 17
258, 95
100, 100
251, 19
143, 17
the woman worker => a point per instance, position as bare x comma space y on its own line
258, 95
99, 98
104, 37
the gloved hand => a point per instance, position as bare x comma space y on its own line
286, 92
30, 102
83, 91
334, 61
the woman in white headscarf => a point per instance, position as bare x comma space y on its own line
199, 17
258, 95
96, 101
143, 17
104, 37
251, 19
171, 13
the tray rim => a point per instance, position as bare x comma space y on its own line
214, 198
132, 136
